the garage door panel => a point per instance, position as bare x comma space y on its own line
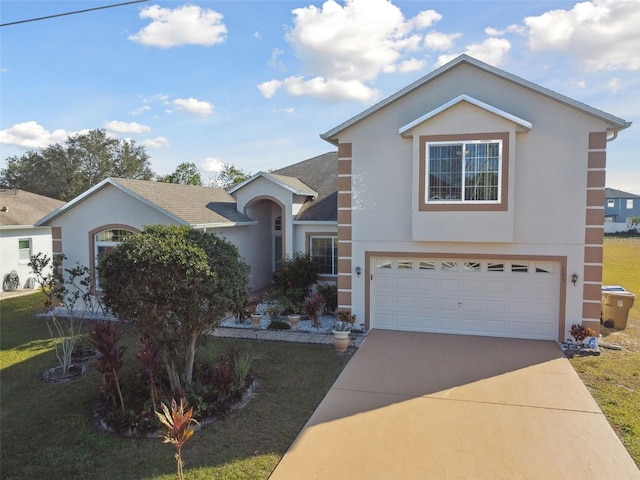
494, 287
481, 297
472, 286
426, 284
405, 302
495, 306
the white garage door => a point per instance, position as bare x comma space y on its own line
467, 296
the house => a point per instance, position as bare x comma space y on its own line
436, 213
268, 216
19, 237
619, 208
446, 197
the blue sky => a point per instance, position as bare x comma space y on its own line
254, 83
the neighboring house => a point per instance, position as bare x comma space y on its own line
19, 238
448, 193
270, 215
619, 209
435, 215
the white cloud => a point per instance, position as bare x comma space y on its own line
492, 51
32, 135
269, 88
124, 127
331, 90
344, 46
288, 110
211, 164
411, 65
614, 85
140, 110
440, 41
275, 61
185, 25
426, 18
600, 34
158, 142
193, 105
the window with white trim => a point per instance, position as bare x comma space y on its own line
464, 172
106, 240
324, 252
629, 203
24, 251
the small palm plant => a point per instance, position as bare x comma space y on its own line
180, 427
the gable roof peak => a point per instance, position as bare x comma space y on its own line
615, 124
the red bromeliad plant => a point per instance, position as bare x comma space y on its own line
180, 427
150, 357
105, 337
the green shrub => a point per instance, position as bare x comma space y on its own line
278, 325
329, 291
297, 272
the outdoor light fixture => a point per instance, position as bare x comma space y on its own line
358, 271
574, 278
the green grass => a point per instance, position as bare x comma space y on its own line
47, 430
614, 377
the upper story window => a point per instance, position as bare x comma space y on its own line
611, 203
629, 203
464, 172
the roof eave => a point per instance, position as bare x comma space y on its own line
202, 226
615, 123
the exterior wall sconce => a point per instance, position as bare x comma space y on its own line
358, 271
574, 279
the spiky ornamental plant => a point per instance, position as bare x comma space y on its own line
150, 356
70, 289
105, 337
180, 428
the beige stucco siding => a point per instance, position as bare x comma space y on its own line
547, 177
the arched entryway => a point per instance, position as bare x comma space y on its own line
270, 238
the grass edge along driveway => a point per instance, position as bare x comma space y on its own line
47, 430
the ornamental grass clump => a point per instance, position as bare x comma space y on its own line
179, 424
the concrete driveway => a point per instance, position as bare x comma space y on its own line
430, 406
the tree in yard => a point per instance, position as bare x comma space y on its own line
229, 176
185, 174
65, 171
175, 284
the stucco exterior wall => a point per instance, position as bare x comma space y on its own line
549, 175
108, 206
9, 259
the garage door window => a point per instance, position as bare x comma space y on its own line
427, 265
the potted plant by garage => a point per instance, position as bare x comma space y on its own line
341, 332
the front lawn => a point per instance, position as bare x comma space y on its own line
613, 378
47, 430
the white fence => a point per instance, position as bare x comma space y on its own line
617, 227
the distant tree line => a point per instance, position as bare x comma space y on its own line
65, 171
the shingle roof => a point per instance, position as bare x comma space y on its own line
194, 204
613, 193
18, 207
188, 204
321, 174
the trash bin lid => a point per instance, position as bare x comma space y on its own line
613, 288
